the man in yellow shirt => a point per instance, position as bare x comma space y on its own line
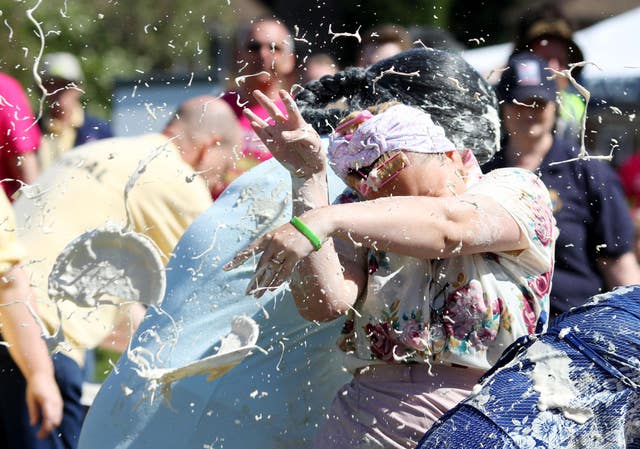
84, 190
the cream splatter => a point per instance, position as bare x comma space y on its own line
337, 35
391, 71
241, 79
551, 379
583, 155
234, 347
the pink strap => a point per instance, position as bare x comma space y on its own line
361, 117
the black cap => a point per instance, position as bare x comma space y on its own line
547, 21
526, 78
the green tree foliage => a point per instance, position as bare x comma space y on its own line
483, 22
404, 12
112, 38
131, 39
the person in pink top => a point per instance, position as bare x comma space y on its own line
19, 136
267, 63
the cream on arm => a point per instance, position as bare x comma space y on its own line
327, 282
423, 227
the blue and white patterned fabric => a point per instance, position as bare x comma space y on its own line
598, 344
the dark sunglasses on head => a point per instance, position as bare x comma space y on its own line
386, 167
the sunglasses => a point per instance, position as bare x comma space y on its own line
257, 46
368, 180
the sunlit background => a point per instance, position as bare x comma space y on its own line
142, 57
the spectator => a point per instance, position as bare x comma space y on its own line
577, 385
382, 42
65, 124
84, 189
319, 65
547, 32
266, 51
19, 137
31, 411
594, 251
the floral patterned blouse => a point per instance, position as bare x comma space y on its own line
461, 310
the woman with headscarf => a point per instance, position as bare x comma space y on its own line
438, 267
279, 399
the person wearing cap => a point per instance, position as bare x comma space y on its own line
19, 137
435, 276
548, 33
65, 124
594, 252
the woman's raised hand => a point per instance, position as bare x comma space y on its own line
291, 140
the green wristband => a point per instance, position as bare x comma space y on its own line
308, 233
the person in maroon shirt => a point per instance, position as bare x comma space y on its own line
265, 52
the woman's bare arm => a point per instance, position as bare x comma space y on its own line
327, 282
425, 227
340, 277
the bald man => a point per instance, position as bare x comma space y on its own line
213, 145
84, 189
265, 52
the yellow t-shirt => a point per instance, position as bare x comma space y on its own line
84, 190
11, 252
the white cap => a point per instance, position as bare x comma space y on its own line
62, 65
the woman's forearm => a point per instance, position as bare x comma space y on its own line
309, 193
422, 227
321, 285
325, 285
327, 282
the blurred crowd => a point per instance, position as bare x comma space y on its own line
64, 173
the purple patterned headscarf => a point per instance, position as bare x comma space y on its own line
398, 128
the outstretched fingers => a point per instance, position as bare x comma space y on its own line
269, 276
295, 117
260, 126
269, 106
307, 132
250, 251
283, 274
254, 119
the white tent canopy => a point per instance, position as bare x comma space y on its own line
612, 44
